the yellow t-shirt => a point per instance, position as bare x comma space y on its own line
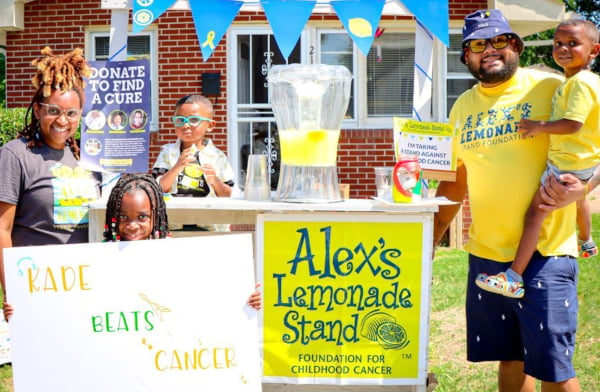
504, 169
577, 99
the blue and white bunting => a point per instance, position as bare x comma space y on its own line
212, 19
433, 14
147, 11
360, 18
287, 19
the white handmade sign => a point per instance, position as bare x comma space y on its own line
160, 315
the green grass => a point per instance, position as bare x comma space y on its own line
447, 350
447, 334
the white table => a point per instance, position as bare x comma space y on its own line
202, 210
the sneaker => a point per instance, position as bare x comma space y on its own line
500, 284
588, 249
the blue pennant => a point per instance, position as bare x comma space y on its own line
287, 19
433, 14
147, 11
360, 18
212, 18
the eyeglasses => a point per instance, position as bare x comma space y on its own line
72, 114
479, 45
179, 121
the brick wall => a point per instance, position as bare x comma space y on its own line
61, 25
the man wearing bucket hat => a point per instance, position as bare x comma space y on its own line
532, 337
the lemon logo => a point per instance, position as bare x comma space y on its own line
360, 27
194, 171
382, 328
392, 336
143, 17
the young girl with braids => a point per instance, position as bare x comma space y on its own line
136, 211
43, 191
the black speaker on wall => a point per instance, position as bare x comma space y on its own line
211, 84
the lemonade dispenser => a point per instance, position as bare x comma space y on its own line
309, 102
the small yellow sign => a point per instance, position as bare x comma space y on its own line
430, 142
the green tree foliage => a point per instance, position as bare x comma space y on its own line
587, 9
11, 122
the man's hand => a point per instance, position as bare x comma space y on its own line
558, 193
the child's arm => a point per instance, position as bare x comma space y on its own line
166, 180
557, 127
8, 310
255, 299
220, 188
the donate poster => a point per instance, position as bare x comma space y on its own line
346, 298
115, 131
151, 316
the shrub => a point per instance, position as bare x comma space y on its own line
11, 122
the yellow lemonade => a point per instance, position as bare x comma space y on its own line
309, 147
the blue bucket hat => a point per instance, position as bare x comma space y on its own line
486, 24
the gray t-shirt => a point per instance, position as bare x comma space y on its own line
51, 192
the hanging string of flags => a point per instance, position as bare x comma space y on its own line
287, 18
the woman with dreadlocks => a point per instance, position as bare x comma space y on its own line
136, 210
43, 191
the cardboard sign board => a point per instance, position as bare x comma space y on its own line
159, 315
346, 298
430, 142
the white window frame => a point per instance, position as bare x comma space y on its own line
464, 75
152, 32
361, 119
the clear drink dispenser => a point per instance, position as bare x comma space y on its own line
309, 102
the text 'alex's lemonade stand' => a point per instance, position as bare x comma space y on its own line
309, 102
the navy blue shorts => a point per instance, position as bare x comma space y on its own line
538, 329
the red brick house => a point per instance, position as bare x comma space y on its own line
383, 80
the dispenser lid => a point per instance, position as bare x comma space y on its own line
300, 72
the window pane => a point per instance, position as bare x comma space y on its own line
138, 47
336, 43
458, 78
454, 52
336, 49
101, 45
390, 75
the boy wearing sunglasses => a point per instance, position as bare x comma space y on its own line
193, 166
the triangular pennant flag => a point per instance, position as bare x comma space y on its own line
360, 18
212, 18
147, 11
287, 19
433, 14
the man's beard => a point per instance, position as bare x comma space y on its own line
497, 75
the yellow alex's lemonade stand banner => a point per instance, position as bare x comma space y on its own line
430, 142
160, 315
346, 298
